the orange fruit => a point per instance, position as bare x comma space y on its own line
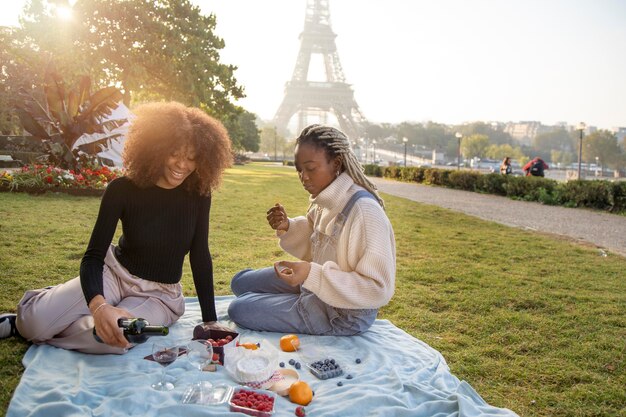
289, 343
300, 393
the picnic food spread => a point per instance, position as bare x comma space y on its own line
263, 378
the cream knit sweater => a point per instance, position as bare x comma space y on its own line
364, 275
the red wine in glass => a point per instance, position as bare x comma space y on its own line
165, 355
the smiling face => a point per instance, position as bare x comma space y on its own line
178, 166
315, 169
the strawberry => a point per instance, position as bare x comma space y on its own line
300, 412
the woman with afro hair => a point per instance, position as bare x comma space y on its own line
174, 158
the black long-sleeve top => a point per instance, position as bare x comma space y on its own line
159, 227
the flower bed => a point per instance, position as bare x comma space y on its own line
37, 179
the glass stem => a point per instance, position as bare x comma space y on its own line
163, 377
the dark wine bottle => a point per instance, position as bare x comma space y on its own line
137, 330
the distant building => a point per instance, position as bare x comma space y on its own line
524, 132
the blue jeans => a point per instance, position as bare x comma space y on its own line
265, 302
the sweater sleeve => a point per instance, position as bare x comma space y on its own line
297, 239
364, 274
201, 262
91, 266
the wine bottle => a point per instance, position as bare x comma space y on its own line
137, 330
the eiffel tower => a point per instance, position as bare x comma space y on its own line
319, 98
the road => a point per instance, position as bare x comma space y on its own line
604, 230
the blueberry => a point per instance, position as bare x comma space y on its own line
348, 376
292, 361
358, 360
339, 383
332, 361
297, 365
282, 364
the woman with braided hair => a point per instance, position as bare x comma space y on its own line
345, 244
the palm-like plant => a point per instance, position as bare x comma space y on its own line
68, 114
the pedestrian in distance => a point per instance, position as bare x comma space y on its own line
535, 167
345, 246
174, 158
505, 166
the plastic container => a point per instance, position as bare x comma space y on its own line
205, 393
221, 394
249, 409
315, 358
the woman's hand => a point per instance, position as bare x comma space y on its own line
293, 273
277, 218
105, 322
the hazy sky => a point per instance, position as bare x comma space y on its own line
449, 61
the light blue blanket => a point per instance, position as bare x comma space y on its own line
398, 376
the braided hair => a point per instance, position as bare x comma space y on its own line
336, 144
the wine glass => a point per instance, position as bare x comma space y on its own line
165, 354
199, 355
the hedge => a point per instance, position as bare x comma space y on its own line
596, 194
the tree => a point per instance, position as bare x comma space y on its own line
474, 146
495, 136
272, 144
562, 157
500, 151
243, 131
603, 145
559, 140
163, 49
19, 68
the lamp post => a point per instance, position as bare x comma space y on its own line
374, 151
405, 140
275, 144
581, 127
459, 136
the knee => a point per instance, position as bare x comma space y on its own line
237, 284
234, 310
32, 327
239, 312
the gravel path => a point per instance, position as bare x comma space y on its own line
604, 230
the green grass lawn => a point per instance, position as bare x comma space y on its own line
534, 323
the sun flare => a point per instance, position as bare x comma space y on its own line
64, 12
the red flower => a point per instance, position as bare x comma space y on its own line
49, 179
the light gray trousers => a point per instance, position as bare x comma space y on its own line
59, 315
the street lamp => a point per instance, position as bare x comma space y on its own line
405, 140
374, 151
581, 126
459, 136
275, 145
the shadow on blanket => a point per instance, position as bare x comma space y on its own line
398, 376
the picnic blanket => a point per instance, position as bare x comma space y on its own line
398, 376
